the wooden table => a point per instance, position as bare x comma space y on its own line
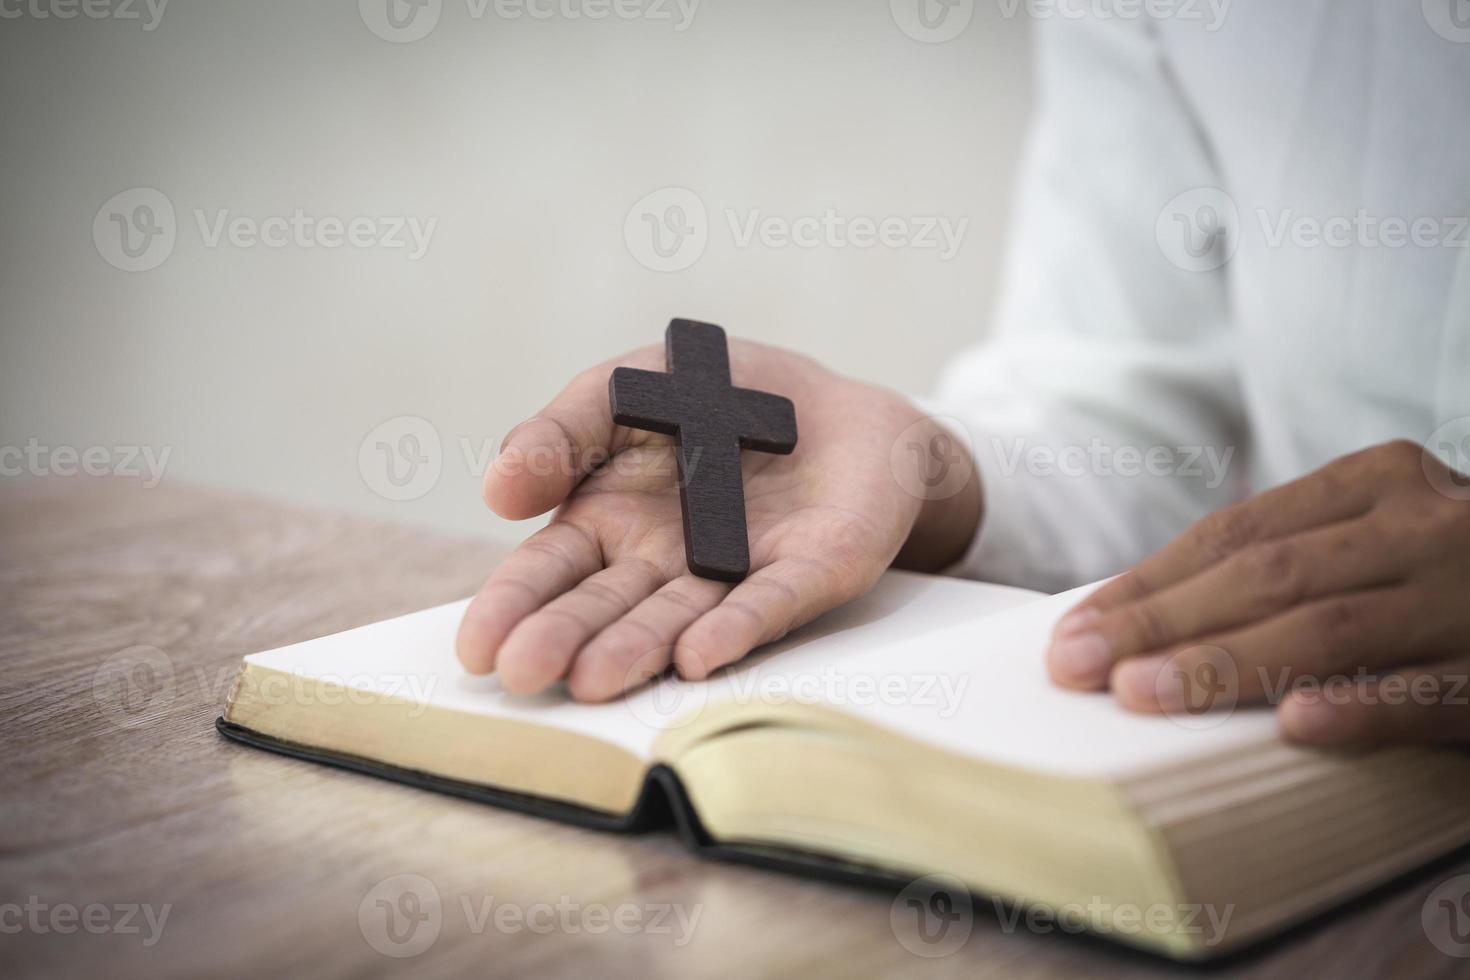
118, 793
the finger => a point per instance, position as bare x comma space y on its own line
1248, 586
1331, 637
540, 648
545, 457
544, 566
639, 646
765, 607
1336, 492
1416, 705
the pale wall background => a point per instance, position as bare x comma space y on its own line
528, 141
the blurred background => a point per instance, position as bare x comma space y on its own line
332, 251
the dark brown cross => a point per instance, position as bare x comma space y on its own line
711, 421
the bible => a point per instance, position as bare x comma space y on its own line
911, 733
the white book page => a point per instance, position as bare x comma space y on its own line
980, 688
412, 657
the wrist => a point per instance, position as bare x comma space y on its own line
946, 479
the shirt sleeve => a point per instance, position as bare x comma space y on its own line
1105, 414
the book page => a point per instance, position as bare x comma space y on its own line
412, 657
980, 688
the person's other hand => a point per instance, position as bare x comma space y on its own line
1343, 596
601, 596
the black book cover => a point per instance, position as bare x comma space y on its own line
662, 804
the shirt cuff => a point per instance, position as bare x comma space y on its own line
1018, 542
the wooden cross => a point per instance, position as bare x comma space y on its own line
711, 421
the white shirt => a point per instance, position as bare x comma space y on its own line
1167, 376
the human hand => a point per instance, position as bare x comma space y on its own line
601, 596
1341, 596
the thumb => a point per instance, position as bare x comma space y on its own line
544, 458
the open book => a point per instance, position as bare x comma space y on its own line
911, 733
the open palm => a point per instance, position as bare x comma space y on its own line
602, 597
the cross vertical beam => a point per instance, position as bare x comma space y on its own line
711, 421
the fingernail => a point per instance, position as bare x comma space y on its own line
1075, 620
1083, 658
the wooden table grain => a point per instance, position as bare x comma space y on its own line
124, 612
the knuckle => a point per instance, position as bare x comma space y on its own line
505, 591
563, 543
630, 633
832, 580
1399, 458
1404, 451
546, 548
783, 594
1275, 570
1227, 531
680, 598
605, 594
1449, 512
1418, 517
1148, 625
1425, 522
1337, 477
1372, 464
1127, 587
783, 612
559, 621
756, 621
1335, 623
